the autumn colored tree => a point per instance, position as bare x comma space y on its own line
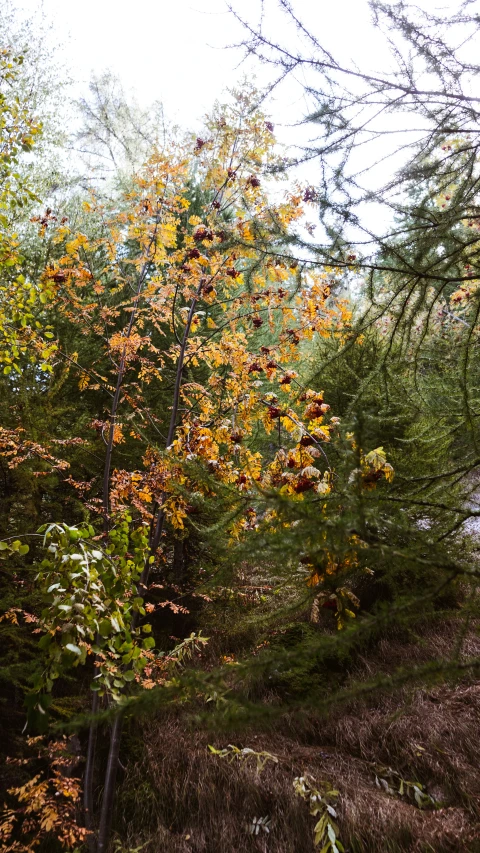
189, 367
208, 312
407, 371
18, 132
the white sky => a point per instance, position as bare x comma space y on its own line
174, 50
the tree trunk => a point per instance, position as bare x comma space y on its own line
114, 752
110, 781
88, 776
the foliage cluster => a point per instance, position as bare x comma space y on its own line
200, 434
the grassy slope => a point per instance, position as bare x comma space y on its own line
177, 797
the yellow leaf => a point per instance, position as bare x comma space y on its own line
376, 458
118, 436
83, 381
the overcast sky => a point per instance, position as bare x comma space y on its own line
176, 50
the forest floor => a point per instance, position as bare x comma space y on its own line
180, 798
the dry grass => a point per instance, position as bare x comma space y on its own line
181, 799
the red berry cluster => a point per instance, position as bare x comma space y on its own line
310, 194
306, 441
303, 484
202, 233
274, 412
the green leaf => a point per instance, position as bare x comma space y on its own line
104, 628
73, 648
148, 643
129, 675
331, 835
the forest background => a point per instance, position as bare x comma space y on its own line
239, 450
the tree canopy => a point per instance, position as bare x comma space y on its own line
224, 482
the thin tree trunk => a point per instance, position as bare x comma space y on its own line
116, 735
109, 789
92, 736
88, 776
